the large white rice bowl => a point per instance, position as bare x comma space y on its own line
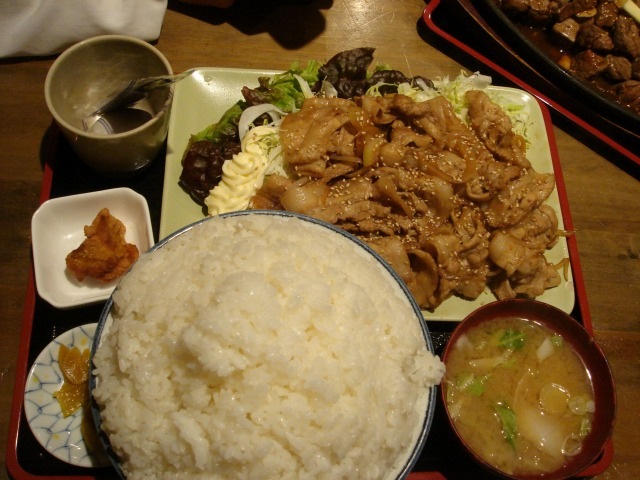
263, 345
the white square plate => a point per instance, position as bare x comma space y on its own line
204, 96
57, 228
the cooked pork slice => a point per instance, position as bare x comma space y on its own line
494, 127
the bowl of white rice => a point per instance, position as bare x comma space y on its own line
261, 345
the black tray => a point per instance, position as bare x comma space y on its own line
442, 457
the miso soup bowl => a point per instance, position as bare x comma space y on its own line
593, 360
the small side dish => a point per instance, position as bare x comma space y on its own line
522, 395
67, 433
74, 392
58, 227
532, 382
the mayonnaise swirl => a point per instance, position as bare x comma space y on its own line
243, 175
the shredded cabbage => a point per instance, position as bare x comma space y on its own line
454, 91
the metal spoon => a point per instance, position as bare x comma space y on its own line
136, 90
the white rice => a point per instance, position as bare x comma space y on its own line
260, 346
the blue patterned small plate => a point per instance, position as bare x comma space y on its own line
60, 436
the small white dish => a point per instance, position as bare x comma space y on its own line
60, 436
57, 228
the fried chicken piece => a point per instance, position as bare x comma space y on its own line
104, 254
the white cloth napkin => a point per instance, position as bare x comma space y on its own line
46, 27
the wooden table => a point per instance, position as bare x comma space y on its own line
603, 190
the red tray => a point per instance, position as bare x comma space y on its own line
64, 174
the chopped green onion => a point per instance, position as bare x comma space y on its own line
468, 382
513, 339
557, 340
507, 418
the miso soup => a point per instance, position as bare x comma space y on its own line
518, 395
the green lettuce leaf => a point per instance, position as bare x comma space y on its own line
283, 89
225, 129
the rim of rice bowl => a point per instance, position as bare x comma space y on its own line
128, 419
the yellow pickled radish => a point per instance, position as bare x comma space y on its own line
74, 392
71, 397
74, 365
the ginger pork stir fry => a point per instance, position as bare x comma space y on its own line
453, 208
452, 204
